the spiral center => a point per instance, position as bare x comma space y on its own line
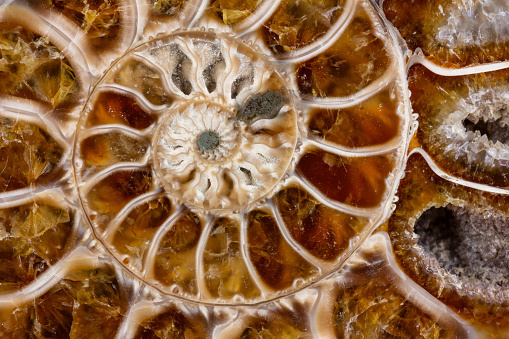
208, 140
229, 136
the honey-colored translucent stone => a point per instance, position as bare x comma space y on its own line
175, 261
174, 324
372, 305
226, 273
28, 155
276, 262
359, 181
112, 193
421, 190
298, 23
166, 7
354, 61
133, 236
31, 67
16, 323
388, 316
99, 19
278, 324
19, 264
323, 231
88, 304
99, 304
32, 236
452, 33
102, 150
116, 108
140, 77
233, 11
445, 104
372, 122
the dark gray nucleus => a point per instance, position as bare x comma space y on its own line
208, 140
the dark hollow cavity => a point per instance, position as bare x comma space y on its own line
178, 76
248, 174
210, 73
262, 106
208, 140
494, 130
470, 245
239, 84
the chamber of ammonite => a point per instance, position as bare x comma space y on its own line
226, 169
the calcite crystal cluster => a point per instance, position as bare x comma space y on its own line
254, 169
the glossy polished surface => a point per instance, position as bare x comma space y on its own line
253, 169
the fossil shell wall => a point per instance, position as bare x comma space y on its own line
238, 169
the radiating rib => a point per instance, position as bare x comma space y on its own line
148, 266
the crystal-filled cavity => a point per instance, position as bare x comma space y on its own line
133, 235
31, 67
453, 33
102, 150
296, 24
356, 59
33, 237
100, 20
85, 304
463, 123
142, 78
29, 156
233, 11
173, 324
453, 241
166, 7
468, 244
495, 129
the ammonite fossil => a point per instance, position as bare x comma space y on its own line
254, 169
